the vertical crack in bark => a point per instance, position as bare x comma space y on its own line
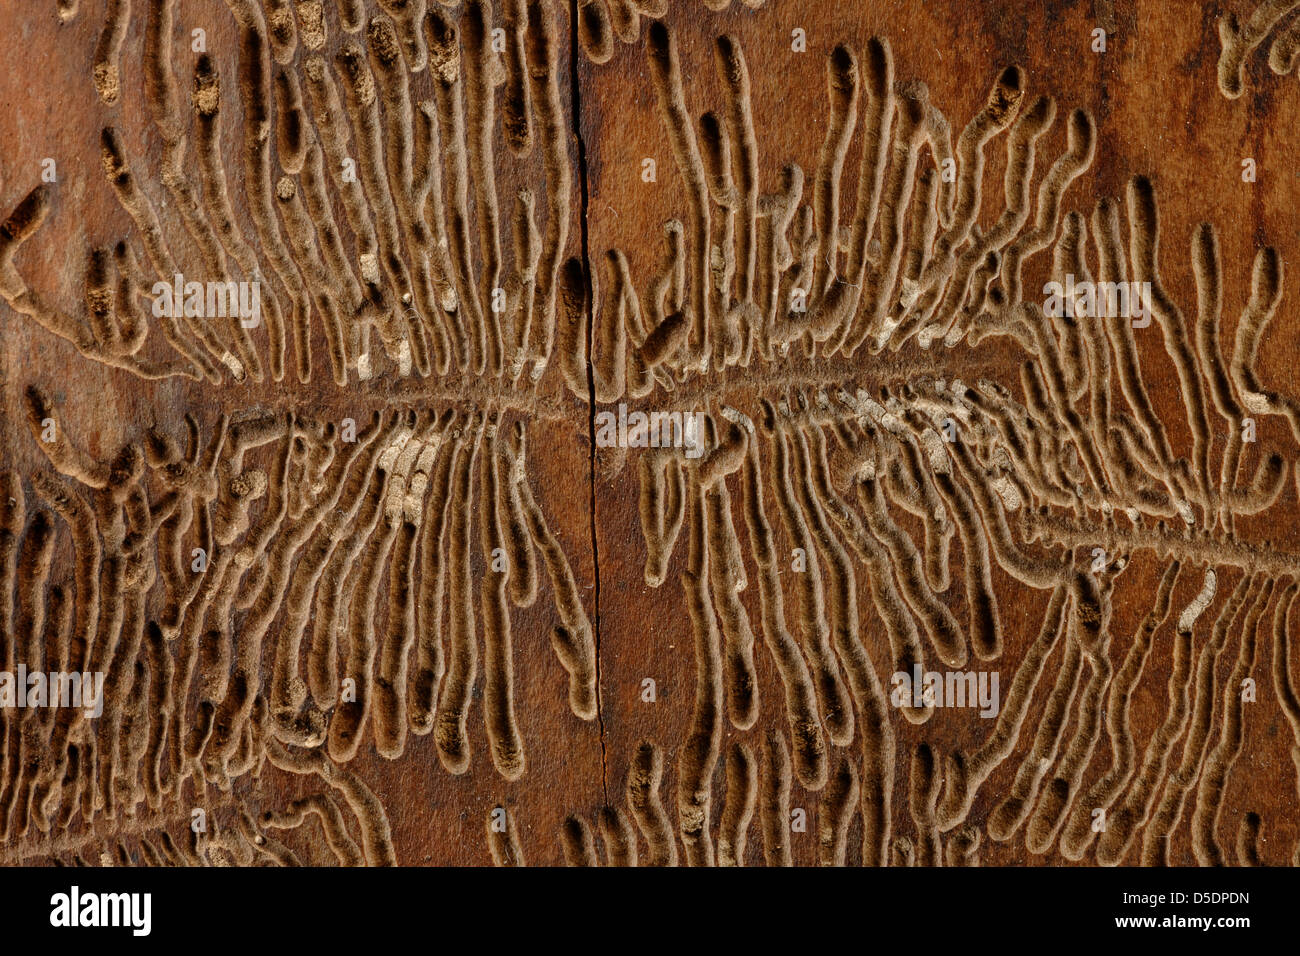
576, 119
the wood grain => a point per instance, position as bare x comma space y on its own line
480, 633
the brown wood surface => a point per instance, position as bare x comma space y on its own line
1158, 110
